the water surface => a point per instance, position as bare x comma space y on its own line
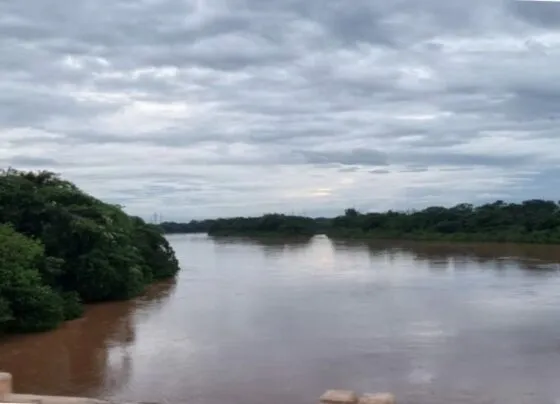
279, 322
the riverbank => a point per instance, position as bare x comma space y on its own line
505, 238
533, 221
263, 235
542, 238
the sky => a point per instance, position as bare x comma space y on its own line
206, 108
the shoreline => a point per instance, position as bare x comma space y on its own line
460, 238
431, 238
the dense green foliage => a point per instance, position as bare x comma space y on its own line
194, 226
533, 221
26, 303
60, 247
270, 224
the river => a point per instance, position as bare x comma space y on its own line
278, 322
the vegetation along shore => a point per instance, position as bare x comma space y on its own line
60, 248
531, 221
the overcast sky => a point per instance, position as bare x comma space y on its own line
203, 108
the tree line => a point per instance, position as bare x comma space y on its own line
61, 247
269, 224
532, 221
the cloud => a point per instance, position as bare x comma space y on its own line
539, 13
414, 169
199, 109
349, 169
380, 171
40, 163
364, 157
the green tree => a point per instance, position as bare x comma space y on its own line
70, 248
25, 303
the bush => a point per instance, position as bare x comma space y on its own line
72, 305
60, 246
34, 308
6, 314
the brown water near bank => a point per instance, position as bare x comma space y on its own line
251, 321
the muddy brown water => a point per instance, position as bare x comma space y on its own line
279, 322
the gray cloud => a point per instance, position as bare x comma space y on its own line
348, 169
364, 157
32, 162
540, 13
197, 108
415, 169
379, 171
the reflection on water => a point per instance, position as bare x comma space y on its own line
86, 356
278, 321
444, 255
269, 245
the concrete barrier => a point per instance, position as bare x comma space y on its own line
379, 398
339, 397
349, 397
8, 396
330, 397
5, 385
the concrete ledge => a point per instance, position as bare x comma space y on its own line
380, 398
349, 397
38, 399
5, 384
339, 397
7, 395
330, 397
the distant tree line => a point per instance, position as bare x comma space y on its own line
270, 224
533, 221
194, 226
60, 248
